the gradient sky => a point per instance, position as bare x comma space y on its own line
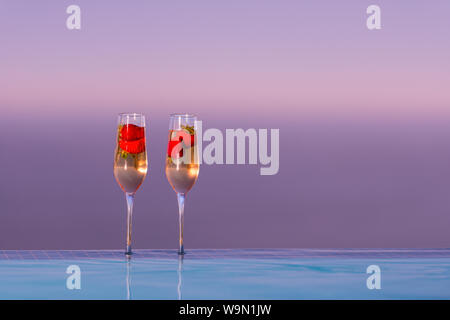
222, 54
368, 112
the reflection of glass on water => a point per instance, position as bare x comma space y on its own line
128, 278
180, 276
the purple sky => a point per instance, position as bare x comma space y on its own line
363, 117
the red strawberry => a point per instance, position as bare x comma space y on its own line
136, 146
172, 144
131, 132
192, 139
188, 139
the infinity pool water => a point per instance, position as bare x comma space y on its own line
226, 274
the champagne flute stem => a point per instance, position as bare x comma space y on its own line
181, 197
130, 203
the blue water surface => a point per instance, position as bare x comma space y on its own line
226, 274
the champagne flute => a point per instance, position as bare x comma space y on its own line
182, 165
130, 161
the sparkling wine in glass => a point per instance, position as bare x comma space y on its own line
130, 161
182, 165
